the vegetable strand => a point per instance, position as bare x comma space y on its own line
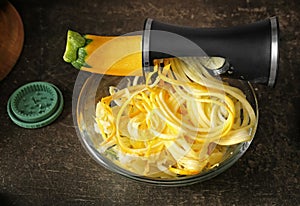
179, 122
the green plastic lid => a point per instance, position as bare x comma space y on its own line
35, 105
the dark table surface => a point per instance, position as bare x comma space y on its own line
48, 166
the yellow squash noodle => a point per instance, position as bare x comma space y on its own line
179, 122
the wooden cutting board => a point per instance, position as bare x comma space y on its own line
11, 38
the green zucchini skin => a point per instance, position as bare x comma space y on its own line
75, 52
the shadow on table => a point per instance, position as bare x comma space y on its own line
9, 199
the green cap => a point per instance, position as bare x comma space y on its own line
35, 105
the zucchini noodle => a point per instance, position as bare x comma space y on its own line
179, 122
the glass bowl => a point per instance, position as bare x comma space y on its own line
88, 90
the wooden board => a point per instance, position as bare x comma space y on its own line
11, 38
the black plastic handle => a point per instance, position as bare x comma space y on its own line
252, 50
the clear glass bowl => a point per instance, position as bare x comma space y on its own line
88, 90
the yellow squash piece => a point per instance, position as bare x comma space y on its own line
111, 55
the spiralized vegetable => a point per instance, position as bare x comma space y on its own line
179, 122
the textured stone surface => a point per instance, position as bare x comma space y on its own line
48, 166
